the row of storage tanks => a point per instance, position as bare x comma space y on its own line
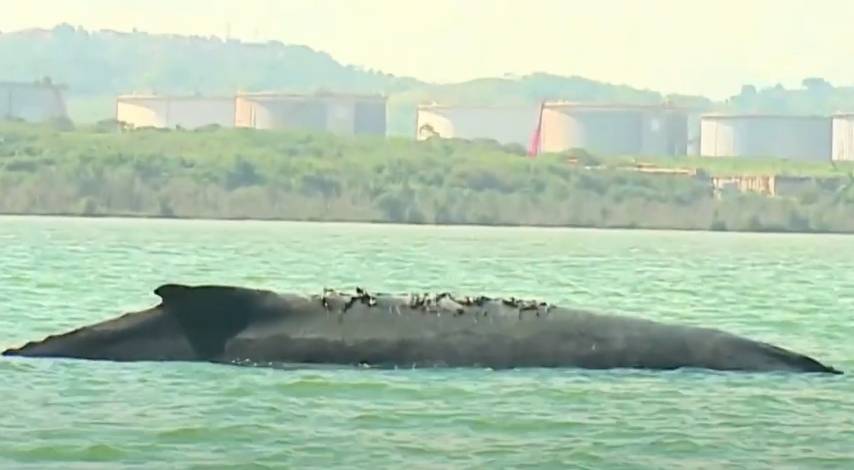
597, 128
554, 126
335, 113
655, 130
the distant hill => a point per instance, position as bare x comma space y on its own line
97, 65
113, 62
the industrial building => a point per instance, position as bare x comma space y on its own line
188, 112
764, 135
842, 147
506, 125
693, 133
606, 129
32, 101
335, 113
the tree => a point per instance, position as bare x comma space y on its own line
814, 84
748, 91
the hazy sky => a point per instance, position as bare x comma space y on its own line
690, 46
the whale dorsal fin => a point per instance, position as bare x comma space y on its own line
171, 292
209, 315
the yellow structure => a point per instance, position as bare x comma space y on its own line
762, 184
842, 147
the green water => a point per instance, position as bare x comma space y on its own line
57, 274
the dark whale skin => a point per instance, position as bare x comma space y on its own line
240, 325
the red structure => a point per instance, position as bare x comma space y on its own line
534, 147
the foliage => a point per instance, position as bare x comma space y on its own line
243, 173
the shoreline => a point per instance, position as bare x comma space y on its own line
118, 216
226, 176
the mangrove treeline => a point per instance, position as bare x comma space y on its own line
241, 173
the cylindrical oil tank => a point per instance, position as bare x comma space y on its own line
843, 137
805, 138
693, 133
614, 129
337, 114
138, 111
504, 124
278, 111
188, 112
34, 102
192, 112
370, 116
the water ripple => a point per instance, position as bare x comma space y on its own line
796, 290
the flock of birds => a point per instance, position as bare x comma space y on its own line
333, 300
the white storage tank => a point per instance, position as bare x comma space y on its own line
805, 138
843, 137
334, 113
33, 102
606, 129
188, 112
504, 124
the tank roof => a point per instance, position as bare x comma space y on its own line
35, 84
286, 96
720, 116
611, 106
428, 106
152, 96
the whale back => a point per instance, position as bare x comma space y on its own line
235, 324
209, 315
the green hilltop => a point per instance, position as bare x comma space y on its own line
97, 65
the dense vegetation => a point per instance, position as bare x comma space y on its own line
242, 173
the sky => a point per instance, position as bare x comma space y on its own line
708, 47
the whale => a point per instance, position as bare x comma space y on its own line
243, 325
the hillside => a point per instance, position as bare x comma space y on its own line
97, 65
109, 62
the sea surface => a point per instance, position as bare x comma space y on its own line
795, 290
